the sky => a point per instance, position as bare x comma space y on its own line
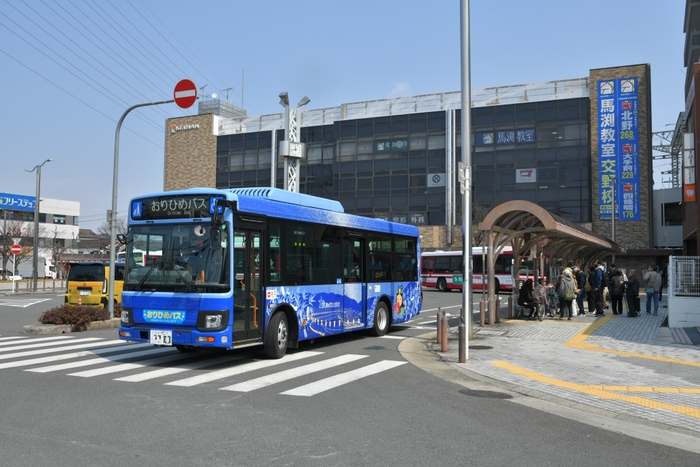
69, 69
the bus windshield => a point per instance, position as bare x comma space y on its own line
181, 258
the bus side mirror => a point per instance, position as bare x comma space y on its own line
121, 238
215, 238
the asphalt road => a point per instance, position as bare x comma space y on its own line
226, 409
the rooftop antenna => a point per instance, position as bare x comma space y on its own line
227, 90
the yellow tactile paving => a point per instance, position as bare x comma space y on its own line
597, 391
578, 342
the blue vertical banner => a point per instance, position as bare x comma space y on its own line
618, 148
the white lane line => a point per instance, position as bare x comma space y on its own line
17, 303
60, 349
95, 361
128, 366
240, 369
338, 380
9, 338
292, 373
177, 369
428, 322
67, 356
36, 343
392, 337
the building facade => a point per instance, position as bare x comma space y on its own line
58, 228
398, 158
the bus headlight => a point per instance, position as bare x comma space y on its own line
213, 321
125, 316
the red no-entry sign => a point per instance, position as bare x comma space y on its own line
16, 249
185, 93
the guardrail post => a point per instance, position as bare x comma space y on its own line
482, 312
439, 324
443, 340
498, 309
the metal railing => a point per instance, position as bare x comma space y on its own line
684, 276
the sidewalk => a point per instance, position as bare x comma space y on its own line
625, 368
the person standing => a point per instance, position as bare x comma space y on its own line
580, 278
632, 294
660, 272
566, 289
652, 284
588, 288
617, 291
598, 288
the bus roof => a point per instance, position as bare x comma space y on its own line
275, 202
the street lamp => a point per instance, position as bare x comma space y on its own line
36, 221
291, 148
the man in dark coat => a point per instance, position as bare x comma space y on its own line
632, 294
580, 277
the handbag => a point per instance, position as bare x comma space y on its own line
650, 291
587, 287
570, 295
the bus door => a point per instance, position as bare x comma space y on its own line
247, 285
354, 293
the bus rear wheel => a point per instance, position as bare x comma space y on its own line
442, 285
381, 320
277, 336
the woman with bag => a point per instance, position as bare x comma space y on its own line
567, 293
617, 291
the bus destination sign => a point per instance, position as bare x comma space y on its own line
173, 207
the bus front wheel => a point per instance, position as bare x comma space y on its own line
381, 320
277, 336
442, 285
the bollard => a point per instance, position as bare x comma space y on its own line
510, 307
482, 313
498, 309
492, 311
462, 339
439, 324
443, 340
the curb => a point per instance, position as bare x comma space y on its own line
66, 328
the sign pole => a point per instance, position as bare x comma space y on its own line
184, 94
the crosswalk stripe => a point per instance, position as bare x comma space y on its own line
11, 338
44, 339
67, 356
128, 366
338, 380
393, 337
29, 353
237, 370
37, 343
95, 361
178, 369
274, 378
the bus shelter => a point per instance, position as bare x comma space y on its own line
528, 228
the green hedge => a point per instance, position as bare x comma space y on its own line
77, 315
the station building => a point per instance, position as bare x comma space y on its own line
560, 144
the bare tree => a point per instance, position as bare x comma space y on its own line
479, 212
105, 230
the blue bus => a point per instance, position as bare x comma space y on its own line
262, 266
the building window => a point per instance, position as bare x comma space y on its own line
59, 219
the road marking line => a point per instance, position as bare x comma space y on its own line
54, 358
9, 338
240, 369
95, 361
292, 373
127, 366
33, 341
334, 381
177, 369
392, 337
60, 349
595, 391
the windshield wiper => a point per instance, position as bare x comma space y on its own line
184, 278
148, 273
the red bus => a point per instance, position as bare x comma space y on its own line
443, 269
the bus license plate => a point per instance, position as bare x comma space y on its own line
84, 292
162, 337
